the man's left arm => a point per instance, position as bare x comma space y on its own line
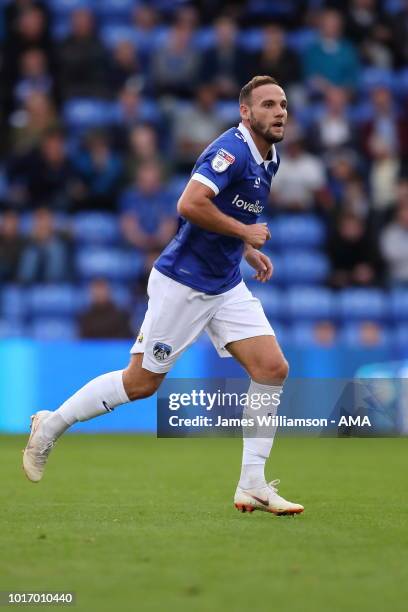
260, 262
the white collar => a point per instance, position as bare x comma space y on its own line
254, 149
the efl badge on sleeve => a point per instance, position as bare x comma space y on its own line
222, 160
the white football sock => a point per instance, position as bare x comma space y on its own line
256, 450
99, 396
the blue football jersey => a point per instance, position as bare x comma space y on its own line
241, 180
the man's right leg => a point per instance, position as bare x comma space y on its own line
101, 395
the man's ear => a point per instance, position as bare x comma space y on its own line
244, 111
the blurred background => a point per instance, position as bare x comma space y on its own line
105, 106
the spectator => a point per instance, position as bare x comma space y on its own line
385, 124
354, 253
370, 334
196, 127
174, 68
399, 30
148, 215
383, 177
394, 239
300, 184
27, 30
82, 59
367, 26
277, 59
324, 333
342, 169
11, 246
46, 174
331, 58
125, 65
29, 125
142, 147
103, 318
34, 76
100, 172
132, 109
46, 257
226, 65
332, 130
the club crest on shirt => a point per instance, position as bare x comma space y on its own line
222, 160
161, 351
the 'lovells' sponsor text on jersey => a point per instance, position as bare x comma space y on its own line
241, 180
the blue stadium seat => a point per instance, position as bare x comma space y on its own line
96, 228
13, 305
60, 300
400, 336
10, 329
302, 334
115, 10
282, 332
350, 336
399, 304
299, 231
251, 39
375, 77
363, 304
64, 7
303, 267
85, 113
271, 298
112, 34
300, 40
111, 263
53, 328
310, 303
204, 38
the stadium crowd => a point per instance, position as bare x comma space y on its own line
104, 108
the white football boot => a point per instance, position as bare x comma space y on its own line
266, 499
38, 448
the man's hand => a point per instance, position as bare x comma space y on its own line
260, 262
256, 235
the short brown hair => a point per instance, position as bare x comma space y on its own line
255, 82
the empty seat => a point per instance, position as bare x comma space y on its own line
399, 304
303, 267
13, 302
271, 298
299, 231
53, 328
53, 300
64, 7
85, 113
111, 263
10, 329
363, 304
96, 228
115, 10
310, 303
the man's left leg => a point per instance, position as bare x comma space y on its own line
264, 361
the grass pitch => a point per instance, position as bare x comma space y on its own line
135, 523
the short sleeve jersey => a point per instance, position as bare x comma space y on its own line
241, 180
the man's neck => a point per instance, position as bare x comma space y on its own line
262, 145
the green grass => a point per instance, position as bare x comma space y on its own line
135, 523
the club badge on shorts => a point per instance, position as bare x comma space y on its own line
222, 160
161, 351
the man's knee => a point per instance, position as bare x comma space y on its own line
270, 371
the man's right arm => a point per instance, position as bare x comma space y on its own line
196, 205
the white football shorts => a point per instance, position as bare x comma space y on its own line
177, 315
